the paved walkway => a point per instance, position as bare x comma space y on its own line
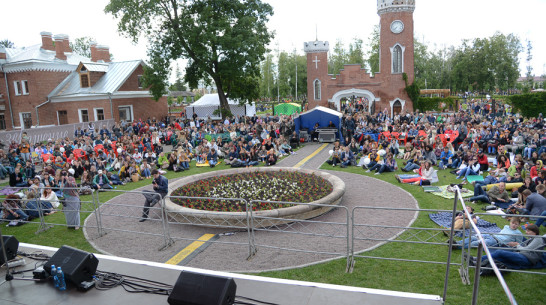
229, 252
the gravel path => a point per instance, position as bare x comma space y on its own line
298, 244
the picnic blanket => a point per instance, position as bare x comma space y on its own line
443, 219
472, 178
8, 191
449, 195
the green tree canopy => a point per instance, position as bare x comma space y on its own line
6, 43
223, 40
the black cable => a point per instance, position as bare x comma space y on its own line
252, 300
107, 280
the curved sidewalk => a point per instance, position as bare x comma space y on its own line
224, 256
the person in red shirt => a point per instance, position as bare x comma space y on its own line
482, 160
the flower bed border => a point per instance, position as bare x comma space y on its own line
239, 219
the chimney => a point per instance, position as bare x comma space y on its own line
104, 53
3, 53
47, 42
59, 46
94, 51
67, 44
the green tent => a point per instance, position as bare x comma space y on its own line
287, 108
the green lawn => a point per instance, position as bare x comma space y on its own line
419, 277
390, 275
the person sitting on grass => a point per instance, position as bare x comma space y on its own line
100, 181
508, 234
12, 210
146, 169
374, 159
212, 157
524, 255
473, 168
413, 163
347, 156
389, 165
271, 158
444, 158
497, 194
535, 204
336, 157
461, 221
424, 177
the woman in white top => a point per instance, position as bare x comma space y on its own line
49, 201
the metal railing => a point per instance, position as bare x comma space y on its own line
347, 235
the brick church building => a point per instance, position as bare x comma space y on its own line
48, 84
384, 90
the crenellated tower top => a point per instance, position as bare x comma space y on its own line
386, 6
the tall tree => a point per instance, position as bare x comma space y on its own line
373, 51
529, 74
223, 39
6, 43
178, 84
82, 46
338, 58
267, 81
356, 53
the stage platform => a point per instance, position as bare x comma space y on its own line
277, 291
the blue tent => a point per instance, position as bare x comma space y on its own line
321, 115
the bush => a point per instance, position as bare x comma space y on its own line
433, 103
530, 104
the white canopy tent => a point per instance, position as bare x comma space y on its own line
208, 103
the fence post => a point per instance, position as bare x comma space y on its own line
43, 227
250, 228
168, 241
350, 260
476, 288
450, 242
96, 206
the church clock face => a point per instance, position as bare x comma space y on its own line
397, 26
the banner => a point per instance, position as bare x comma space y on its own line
41, 134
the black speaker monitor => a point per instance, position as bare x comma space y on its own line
201, 289
11, 245
77, 265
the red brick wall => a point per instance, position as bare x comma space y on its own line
40, 84
132, 82
320, 73
94, 77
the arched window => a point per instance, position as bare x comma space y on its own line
317, 89
397, 59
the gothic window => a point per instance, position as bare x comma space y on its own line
317, 89
397, 59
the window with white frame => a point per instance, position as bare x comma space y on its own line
26, 119
17, 87
316, 85
139, 78
24, 87
397, 59
99, 114
84, 115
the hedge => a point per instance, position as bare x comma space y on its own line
529, 104
433, 103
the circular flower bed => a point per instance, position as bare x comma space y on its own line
286, 186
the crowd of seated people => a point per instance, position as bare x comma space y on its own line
508, 149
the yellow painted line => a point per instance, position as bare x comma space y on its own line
189, 249
302, 162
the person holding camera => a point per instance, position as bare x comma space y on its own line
160, 185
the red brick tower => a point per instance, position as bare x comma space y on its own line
317, 72
396, 35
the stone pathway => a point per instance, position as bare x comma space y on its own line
230, 251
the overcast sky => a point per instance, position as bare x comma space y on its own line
438, 23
